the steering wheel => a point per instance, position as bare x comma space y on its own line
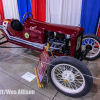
26, 14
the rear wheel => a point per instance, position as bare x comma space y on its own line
70, 76
91, 42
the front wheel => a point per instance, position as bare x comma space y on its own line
70, 76
91, 42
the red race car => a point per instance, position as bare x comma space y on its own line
66, 73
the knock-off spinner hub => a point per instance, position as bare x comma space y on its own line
68, 76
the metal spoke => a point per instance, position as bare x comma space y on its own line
78, 82
68, 84
74, 85
58, 71
60, 68
59, 78
78, 79
71, 85
63, 83
71, 69
78, 74
60, 81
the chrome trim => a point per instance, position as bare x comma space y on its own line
36, 45
56, 45
2, 27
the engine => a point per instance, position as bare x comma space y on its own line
59, 43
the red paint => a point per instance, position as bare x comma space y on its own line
98, 31
41, 67
30, 26
1, 10
96, 45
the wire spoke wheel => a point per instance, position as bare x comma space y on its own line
70, 76
91, 42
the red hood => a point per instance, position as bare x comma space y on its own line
57, 27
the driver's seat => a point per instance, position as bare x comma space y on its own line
16, 25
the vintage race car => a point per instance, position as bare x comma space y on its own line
66, 73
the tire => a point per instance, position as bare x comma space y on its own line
94, 42
68, 76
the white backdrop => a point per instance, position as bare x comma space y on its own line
66, 12
10, 9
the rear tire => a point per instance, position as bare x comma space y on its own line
70, 76
94, 42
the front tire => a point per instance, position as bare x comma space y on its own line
93, 42
70, 76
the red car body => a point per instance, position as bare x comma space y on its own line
36, 34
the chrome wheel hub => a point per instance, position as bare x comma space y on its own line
68, 75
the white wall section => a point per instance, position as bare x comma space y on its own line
10, 9
66, 12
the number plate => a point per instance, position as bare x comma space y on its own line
42, 64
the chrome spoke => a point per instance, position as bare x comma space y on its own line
79, 82
61, 80
68, 85
59, 77
71, 85
57, 74
78, 79
77, 74
74, 85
